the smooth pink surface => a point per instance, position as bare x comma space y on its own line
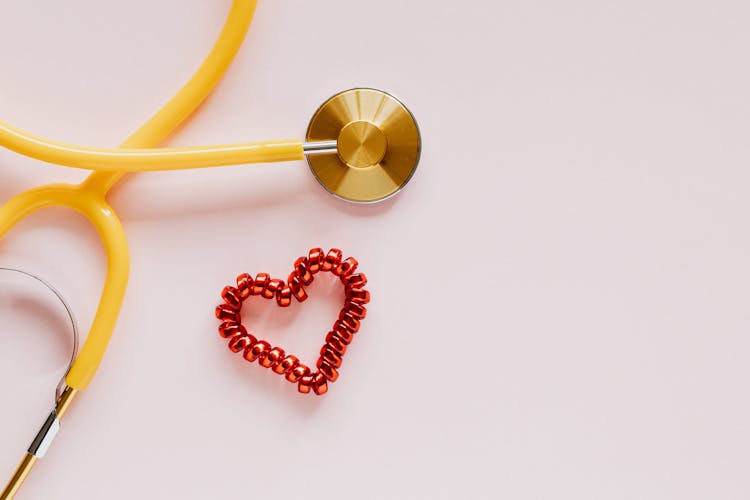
560, 296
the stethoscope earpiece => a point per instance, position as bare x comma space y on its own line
377, 142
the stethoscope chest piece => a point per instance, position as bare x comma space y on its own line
378, 145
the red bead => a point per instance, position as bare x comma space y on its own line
297, 373
333, 260
274, 356
257, 350
334, 342
357, 310
358, 280
349, 321
328, 371
343, 332
329, 356
244, 284
347, 267
298, 291
232, 297
284, 297
271, 288
287, 364
358, 295
302, 271
230, 329
315, 259
260, 283
240, 342
319, 384
225, 312
305, 384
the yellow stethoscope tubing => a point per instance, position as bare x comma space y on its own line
108, 226
143, 160
88, 198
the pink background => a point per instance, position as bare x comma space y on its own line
560, 296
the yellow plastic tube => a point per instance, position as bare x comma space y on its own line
107, 225
141, 160
89, 198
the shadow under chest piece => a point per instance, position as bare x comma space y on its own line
336, 341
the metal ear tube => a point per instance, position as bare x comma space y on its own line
64, 395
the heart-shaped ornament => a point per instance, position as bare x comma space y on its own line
336, 341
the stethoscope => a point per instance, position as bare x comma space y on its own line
362, 145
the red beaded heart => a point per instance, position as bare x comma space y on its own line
337, 340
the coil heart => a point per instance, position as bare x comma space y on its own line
336, 341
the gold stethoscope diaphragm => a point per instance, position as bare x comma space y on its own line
377, 145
